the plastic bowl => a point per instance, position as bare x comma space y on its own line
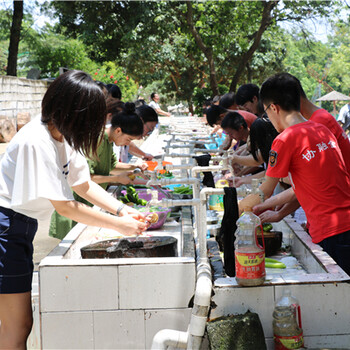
152, 165
162, 216
163, 213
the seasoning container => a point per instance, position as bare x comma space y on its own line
249, 255
287, 328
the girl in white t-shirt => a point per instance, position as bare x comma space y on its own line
42, 164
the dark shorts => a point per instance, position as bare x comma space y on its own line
338, 247
16, 251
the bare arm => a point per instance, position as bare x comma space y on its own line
216, 129
247, 160
96, 195
278, 215
80, 212
238, 181
266, 188
161, 112
122, 178
124, 167
134, 150
277, 200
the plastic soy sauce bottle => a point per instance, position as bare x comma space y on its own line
249, 255
287, 330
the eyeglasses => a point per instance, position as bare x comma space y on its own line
265, 110
148, 129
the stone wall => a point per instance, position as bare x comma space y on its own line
20, 95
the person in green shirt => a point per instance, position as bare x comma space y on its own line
125, 126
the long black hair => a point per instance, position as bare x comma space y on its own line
262, 134
75, 105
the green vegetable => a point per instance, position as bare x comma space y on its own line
130, 189
142, 202
168, 174
272, 263
183, 190
267, 227
132, 197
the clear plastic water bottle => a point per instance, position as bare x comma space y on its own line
249, 255
287, 330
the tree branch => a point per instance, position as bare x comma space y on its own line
208, 52
264, 23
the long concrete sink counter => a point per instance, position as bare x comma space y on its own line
320, 285
123, 303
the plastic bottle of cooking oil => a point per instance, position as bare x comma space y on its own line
249, 256
287, 330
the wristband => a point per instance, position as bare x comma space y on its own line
120, 209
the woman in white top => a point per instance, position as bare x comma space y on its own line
42, 164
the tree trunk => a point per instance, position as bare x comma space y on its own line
264, 23
249, 73
15, 38
208, 52
190, 105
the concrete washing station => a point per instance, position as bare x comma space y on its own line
124, 303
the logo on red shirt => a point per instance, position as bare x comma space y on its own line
272, 158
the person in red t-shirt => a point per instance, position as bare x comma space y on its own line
309, 153
319, 115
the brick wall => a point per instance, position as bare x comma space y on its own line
20, 95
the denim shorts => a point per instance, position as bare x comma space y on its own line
17, 232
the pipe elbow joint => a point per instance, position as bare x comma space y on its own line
169, 337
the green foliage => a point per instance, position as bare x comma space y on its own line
100, 24
339, 71
26, 33
313, 61
150, 43
307, 61
110, 73
51, 51
201, 94
5, 24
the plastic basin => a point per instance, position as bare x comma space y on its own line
163, 213
152, 165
